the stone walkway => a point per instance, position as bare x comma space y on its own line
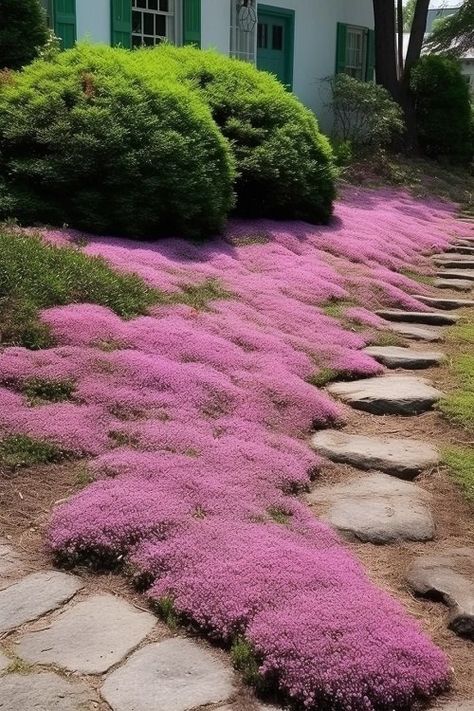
66, 648
376, 506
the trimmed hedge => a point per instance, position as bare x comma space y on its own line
443, 109
89, 140
285, 165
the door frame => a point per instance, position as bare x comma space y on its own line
289, 16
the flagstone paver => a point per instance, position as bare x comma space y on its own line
174, 675
414, 332
35, 595
447, 304
464, 274
376, 508
455, 706
453, 284
11, 561
89, 637
390, 394
403, 457
459, 248
44, 692
461, 261
4, 664
430, 318
449, 575
396, 357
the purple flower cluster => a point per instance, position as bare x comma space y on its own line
196, 422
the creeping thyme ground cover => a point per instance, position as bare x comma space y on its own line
194, 420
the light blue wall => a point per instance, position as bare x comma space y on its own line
93, 20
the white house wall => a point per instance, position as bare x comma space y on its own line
93, 20
215, 25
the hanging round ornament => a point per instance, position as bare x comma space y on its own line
247, 16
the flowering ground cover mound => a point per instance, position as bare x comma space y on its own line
194, 420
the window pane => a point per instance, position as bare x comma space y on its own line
141, 3
148, 23
136, 21
277, 39
262, 36
136, 41
164, 5
161, 25
153, 4
149, 41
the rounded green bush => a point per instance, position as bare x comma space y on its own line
89, 140
285, 165
443, 109
23, 31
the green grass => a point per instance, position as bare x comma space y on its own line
458, 406
323, 377
386, 339
18, 451
462, 333
279, 515
460, 461
39, 390
416, 276
245, 661
35, 275
336, 308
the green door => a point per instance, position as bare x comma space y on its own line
275, 40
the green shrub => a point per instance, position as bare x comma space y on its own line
285, 166
364, 113
90, 140
17, 451
443, 109
23, 31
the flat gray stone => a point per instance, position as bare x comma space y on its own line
465, 274
395, 357
90, 637
453, 284
174, 675
35, 595
455, 706
446, 304
449, 575
430, 318
402, 457
376, 508
11, 561
4, 664
44, 692
390, 394
461, 261
417, 333
460, 248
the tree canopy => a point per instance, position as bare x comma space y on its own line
23, 30
454, 35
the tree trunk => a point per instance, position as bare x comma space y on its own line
385, 50
417, 33
400, 37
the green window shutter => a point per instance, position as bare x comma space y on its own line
192, 22
341, 47
65, 22
121, 17
370, 55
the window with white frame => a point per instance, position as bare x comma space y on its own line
356, 52
153, 21
243, 35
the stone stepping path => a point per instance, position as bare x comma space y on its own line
44, 692
463, 274
388, 395
459, 261
430, 317
449, 576
397, 357
417, 333
404, 458
376, 508
459, 248
174, 675
446, 304
453, 284
104, 629
35, 595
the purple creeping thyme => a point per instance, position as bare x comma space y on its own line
196, 422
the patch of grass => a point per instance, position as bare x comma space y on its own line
416, 276
39, 390
336, 308
83, 476
126, 413
458, 406
323, 377
198, 296
246, 662
124, 439
108, 345
460, 461
250, 239
386, 339
35, 275
18, 451
462, 333
166, 610
18, 666
279, 515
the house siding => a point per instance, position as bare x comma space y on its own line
314, 41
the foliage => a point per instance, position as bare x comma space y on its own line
284, 163
91, 139
23, 32
460, 461
364, 113
454, 34
408, 12
245, 661
36, 275
443, 109
17, 451
458, 406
